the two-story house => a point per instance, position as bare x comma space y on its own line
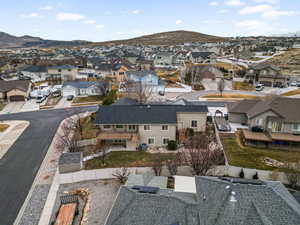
266, 74
277, 120
148, 79
127, 126
164, 59
58, 74
202, 57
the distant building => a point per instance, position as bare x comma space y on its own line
58, 74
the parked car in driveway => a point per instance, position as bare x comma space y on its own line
293, 84
70, 97
259, 87
40, 99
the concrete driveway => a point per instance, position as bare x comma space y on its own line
30, 105
12, 107
63, 103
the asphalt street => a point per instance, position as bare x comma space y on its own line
21, 163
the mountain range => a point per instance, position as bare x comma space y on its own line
164, 38
291, 34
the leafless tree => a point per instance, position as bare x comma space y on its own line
68, 136
173, 164
102, 147
221, 86
137, 90
122, 175
157, 164
201, 155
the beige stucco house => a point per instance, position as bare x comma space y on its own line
127, 126
58, 74
14, 90
277, 120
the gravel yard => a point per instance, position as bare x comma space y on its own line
102, 195
34, 208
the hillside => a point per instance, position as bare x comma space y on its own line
166, 38
288, 62
10, 41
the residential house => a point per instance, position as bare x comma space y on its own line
144, 64
58, 74
277, 118
266, 74
36, 73
127, 126
202, 57
85, 88
131, 57
119, 71
14, 90
217, 201
164, 59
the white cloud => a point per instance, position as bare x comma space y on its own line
274, 14
31, 15
89, 21
136, 11
267, 1
47, 7
100, 26
69, 17
178, 22
214, 3
255, 9
234, 3
222, 11
107, 12
120, 33
251, 24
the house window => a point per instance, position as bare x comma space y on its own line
151, 141
131, 127
296, 127
259, 122
164, 127
106, 127
165, 141
194, 123
119, 126
147, 127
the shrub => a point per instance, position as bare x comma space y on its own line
190, 132
242, 174
172, 145
255, 176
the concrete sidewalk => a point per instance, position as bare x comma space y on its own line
11, 134
12, 107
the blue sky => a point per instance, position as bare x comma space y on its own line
100, 20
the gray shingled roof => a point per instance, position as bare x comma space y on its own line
14, 84
143, 114
268, 203
287, 108
86, 84
141, 73
70, 158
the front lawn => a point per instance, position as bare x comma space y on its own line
95, 98
3, 127
250, 157
126, 159
230, 96
244, 86
1, 106
89, 130
292, 93
51, 101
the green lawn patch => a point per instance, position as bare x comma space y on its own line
95, 98
126, 159
2, 105
250, 157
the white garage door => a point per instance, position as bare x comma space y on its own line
69, 91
